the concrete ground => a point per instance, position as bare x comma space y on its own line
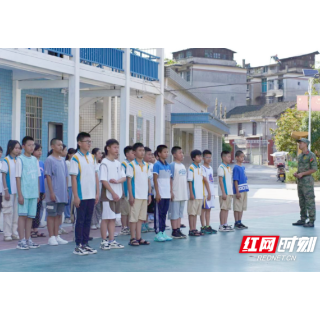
272, 208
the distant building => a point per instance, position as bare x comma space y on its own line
280, 81
210, 67
250, 130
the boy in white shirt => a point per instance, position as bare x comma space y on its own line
207, 204
225, 190
197, 182
179, 192
111, 176
139, 188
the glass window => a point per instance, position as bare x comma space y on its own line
208, 53
264, 85
254, 128
239, 128
270, 85
131, 130
217, 55
188, 76
34, 118
189, 54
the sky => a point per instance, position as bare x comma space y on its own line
259, 55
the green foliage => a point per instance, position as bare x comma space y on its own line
289, 121
315, 129
169, 62
293, 164
226, 146
290, 177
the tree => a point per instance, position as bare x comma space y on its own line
315, 129
289, 121
226, 146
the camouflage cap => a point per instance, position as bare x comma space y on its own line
304, 140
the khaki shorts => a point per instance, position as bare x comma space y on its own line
195, 207
240, 204
124, 207
225, 204
138, 211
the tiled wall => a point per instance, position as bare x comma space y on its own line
54, 109
5, 108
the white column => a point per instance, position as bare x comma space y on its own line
74, 101
106, 131
125, 103
115, 134
160, 112
16, 110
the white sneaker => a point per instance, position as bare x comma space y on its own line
104, 245
52, 241
7, 239
14, 237
94, 227
68, 221
60, 240
62, 231
115, 245
225, 229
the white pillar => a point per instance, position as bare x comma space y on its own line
125, 103
74, 101
160, 112
106, 131
115, 134
16, 110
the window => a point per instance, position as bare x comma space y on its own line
280, 99
208, 53
264, 85
217, 55
181, 55
189, 54
34, 118
239, 128
265, 69
280, 84
139, 130
131, 130
224, 56
147, 133
298, 83
254, 128
270, 84
188, 76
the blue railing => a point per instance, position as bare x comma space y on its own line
109, 57
143, 67
60, 51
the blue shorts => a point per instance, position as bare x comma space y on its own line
29, 208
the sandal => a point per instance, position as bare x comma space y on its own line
34, 234
133, 242
182, 226
194, 233
41, 235
199, 232
143, 242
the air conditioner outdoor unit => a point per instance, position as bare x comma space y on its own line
241, 132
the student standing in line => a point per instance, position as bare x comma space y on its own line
85, 189
96, 217
240, 190
9, 195
28, 188
225, 191
161, 179
147, 159
124, 201
56, 172
36, 221
179, 192
111, 176
207, 204
197, 183
68, 212
139, 188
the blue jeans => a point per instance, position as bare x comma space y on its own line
83, 221
68, 207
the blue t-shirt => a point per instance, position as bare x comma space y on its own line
163, 171
239, 174
41, 179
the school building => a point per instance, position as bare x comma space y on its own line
109, 92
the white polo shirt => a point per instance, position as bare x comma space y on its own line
179, 181
84, 167
195, 175
9, 167
225, 172
140, 175
112, 170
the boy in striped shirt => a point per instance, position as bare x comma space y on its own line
225, 190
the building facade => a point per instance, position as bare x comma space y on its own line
57, 92
281, 81
211, 71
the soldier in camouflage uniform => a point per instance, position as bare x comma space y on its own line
307, 164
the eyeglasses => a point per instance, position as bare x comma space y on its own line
87, 141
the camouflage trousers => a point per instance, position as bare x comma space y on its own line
307, 198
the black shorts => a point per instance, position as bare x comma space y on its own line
152, 205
